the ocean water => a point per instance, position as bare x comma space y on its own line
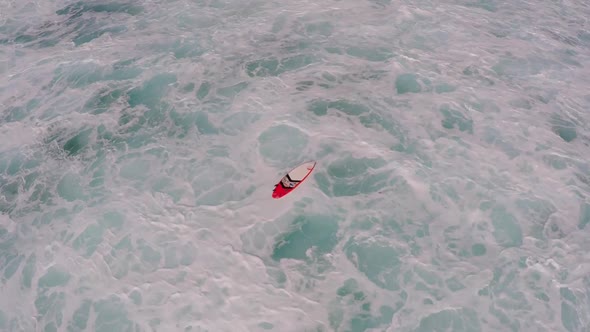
140, 142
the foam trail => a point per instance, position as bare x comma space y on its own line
139, 143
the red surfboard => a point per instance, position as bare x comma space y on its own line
292, 179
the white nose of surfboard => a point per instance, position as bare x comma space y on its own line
300, 172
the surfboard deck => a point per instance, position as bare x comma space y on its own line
293, 179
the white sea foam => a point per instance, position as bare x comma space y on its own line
140, 142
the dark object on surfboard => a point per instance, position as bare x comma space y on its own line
293, 179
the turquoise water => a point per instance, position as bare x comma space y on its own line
140, 142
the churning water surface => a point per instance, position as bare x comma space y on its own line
140, 142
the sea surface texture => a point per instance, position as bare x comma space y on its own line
140, 142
